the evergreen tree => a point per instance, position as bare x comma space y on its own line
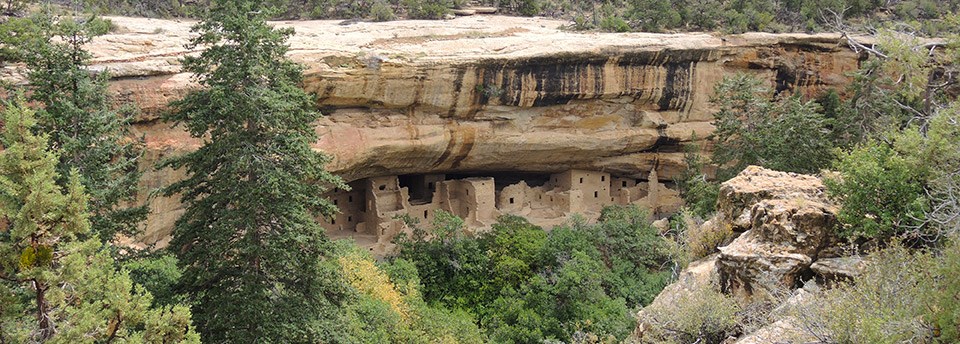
248, 241
56, 288
77, 114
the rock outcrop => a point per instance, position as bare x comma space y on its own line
480, 94
786, 222
786, 237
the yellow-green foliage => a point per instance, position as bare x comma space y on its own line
701, 315
391, 311
364, 275
891, 301
695, 239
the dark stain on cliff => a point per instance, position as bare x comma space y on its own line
466, 145
561, 78
664, 144
448, 150
457, 89
676, 88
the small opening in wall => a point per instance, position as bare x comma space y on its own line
430, 185
349, 218
350, 199
596, 194
581, 180
624, 183
551, 199
425, 213
333, 221
611, 199
383, 187
468, 192
603, 178
334, 202
511, 200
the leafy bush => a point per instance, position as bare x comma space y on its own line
694, 238
427, 9
701, 315
752, 130
526, 285
158, 274
388, 307
887, 303
699, 194
614, 24
381, 12
880, 192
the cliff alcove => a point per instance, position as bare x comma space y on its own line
506, 101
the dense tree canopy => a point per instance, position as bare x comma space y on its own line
526, 285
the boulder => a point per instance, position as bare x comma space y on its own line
832, 270
787, 221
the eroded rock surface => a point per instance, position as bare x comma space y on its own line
481, 94
787, 222
786, 226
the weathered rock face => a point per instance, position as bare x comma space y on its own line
786, 227
482, 93
787, 223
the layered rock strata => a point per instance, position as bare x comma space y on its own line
480, 94
785, 227
787, 223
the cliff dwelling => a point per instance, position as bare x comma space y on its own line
371, 210
479, 125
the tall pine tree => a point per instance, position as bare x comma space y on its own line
252, 252
78, 115
53, 287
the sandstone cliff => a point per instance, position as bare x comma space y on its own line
481, 94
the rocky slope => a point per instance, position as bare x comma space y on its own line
785, 226
481, 94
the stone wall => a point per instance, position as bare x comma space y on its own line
479, 203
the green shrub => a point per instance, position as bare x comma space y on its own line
887, 303
381, 12
701, 315
881, 194
699, 194
614, 24
752, 130
427, 9
526, 285
528, 8
159, 274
